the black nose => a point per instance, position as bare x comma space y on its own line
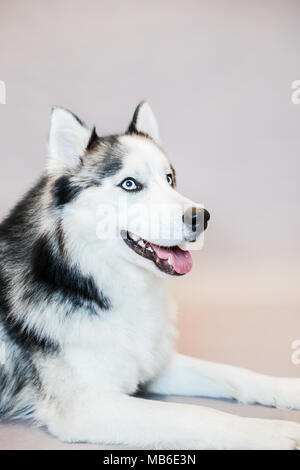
196, 219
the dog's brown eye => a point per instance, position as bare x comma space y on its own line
170, 179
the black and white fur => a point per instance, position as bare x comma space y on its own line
87, 322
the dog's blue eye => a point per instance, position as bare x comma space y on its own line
130, 184
170, 179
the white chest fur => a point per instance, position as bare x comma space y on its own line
125, 346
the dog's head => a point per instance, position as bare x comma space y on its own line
118, 193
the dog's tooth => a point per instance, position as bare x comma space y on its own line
184, 246
141, 243
169, 261
134, 237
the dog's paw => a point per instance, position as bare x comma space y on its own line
283, 393
270, 391
280, 435
251, 434
237, 433
263, 434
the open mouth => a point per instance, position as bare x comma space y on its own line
171, 260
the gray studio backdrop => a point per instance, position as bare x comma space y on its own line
218, 74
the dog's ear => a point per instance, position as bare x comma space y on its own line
144, 122
68, 139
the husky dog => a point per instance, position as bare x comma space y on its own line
86, 320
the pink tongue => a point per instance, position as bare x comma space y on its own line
181, 260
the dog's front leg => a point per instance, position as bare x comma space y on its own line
121, 419
190, 376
